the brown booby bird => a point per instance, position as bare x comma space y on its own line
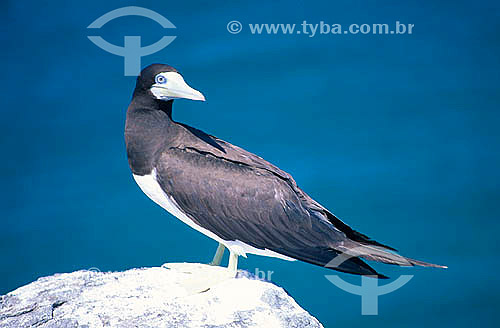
237, 198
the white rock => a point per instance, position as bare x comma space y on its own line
186, 295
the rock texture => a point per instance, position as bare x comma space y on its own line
180, 296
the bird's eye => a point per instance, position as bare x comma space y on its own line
160, 79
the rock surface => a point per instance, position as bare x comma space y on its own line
180, 296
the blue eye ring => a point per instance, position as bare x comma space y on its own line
160, 79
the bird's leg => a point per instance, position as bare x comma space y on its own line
233, 263
218, 255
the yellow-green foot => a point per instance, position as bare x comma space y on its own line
218, 255
232, 267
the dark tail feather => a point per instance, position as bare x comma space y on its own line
377, 254
364, 247
349, 256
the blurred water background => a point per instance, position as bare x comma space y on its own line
396, 134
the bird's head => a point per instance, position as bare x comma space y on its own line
165, 83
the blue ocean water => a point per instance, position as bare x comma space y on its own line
396, 134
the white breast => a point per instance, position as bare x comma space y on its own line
150, 186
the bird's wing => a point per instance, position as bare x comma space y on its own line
250, 205
239, 196
227, 151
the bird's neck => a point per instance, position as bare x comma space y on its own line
141, 100
148, 129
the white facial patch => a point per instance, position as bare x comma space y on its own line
171, 85
159, 89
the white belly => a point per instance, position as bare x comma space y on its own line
150, 186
